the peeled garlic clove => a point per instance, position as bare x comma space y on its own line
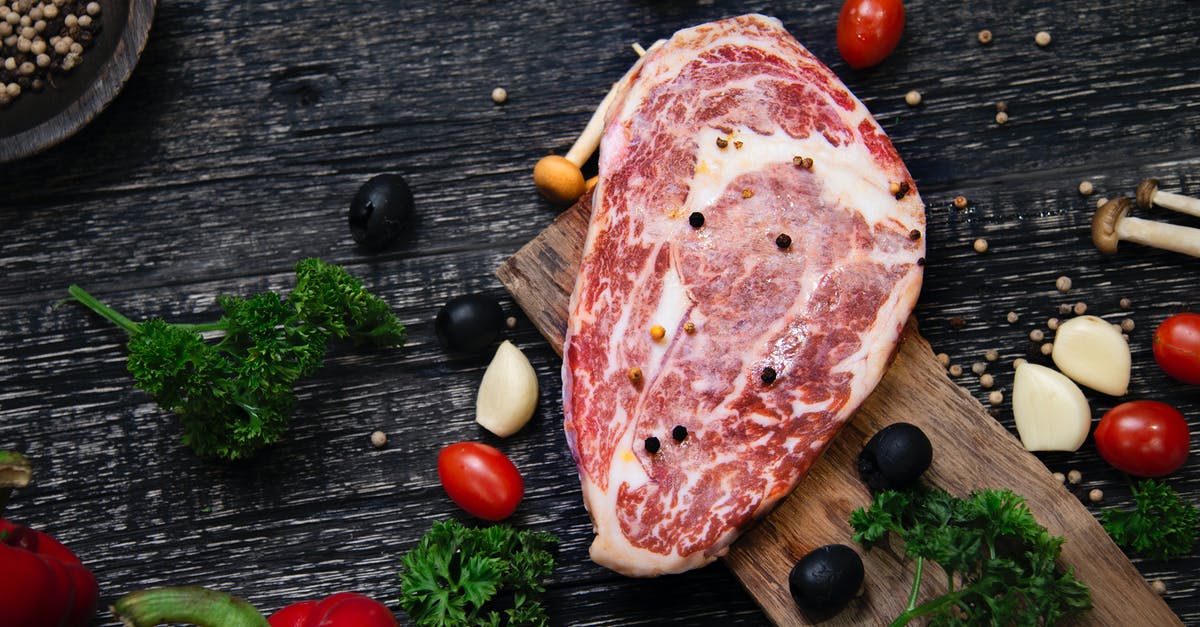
1093, 354
1051, 412
508, 394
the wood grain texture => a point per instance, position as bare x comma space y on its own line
234, 148
971, 451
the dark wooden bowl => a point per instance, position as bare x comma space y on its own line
37, 121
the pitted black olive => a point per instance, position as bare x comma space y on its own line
895, 457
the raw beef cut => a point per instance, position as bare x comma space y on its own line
754, 249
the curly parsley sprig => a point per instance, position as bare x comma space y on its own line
999, 562
467, 576
235, 394
1161, 526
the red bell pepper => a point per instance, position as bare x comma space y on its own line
42, 583
208, 608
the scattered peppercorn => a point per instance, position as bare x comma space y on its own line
1064, 308
958, 322
802, 162
1018, 362
955, 370
510, 322
893, 188
920, 261
722, 143
41, 40
378, 439
943, 359
784, 241
1063, 284
652, 445
679, 433
1002, 118
696, 219
1074, 477
912, 98
914, 235
986, 381
995, 397
1052, 324
1012, 317
960, 202
747, 193
1125, 303
1047, 348
1059, 477
1042, 39
1001, 106
768, 375
657, 332
1085, 188
980, 245
634, 374
991, 354
1079, 308
1158, 587
1096, 495
979, 367
499, 95
1127, 325
904, 187
985, 36
689, 327
1036, 335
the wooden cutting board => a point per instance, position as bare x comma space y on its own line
971, 450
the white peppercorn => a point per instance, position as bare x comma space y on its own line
986, 380
93, 8
1074, 476
995, 397
991, 354
1047, 348
85, 21
1063, 284
1080, 308
378, 439
1096, 495
1127, 325
499, 95
1042, 39
979, 367
1012, 317
1037, 335
1052, 324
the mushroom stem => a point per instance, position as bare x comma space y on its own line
1149, 194
1180, 239
559, 178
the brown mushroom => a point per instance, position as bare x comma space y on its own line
1112, 223
560, 179
1148, 194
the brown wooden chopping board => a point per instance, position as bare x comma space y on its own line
971, 450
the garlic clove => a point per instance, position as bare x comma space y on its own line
1051, 412
1093, 354
508, 394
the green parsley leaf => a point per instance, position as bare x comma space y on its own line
476, 576
1000, 561
1161, 525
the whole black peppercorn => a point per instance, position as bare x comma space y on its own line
768, 375
696, 219
783, 241
679, 433
652, 445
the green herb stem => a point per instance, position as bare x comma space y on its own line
91, 302
186, 604
916, 586
929, 607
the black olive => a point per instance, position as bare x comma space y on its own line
827, 578
380, 211
895, 457
469, 324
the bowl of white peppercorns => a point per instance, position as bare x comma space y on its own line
61, 63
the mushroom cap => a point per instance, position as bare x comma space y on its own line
1145, 193
1104, 224
558, 179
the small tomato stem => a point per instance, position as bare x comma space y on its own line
185, 604
93, 303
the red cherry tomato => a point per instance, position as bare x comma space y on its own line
1177, 347
481, 480
868, 30
1143, 438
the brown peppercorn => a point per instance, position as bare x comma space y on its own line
903, 190
768, 375
1125, 303
914, 235
689, 327
960, 202
985, 36
958, 322
722, 143
980, 245
783, 241
634, 374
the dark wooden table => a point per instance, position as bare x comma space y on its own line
235, 147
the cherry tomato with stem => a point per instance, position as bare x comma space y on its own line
869, 30
481, 480
1143, 438
1177, 347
